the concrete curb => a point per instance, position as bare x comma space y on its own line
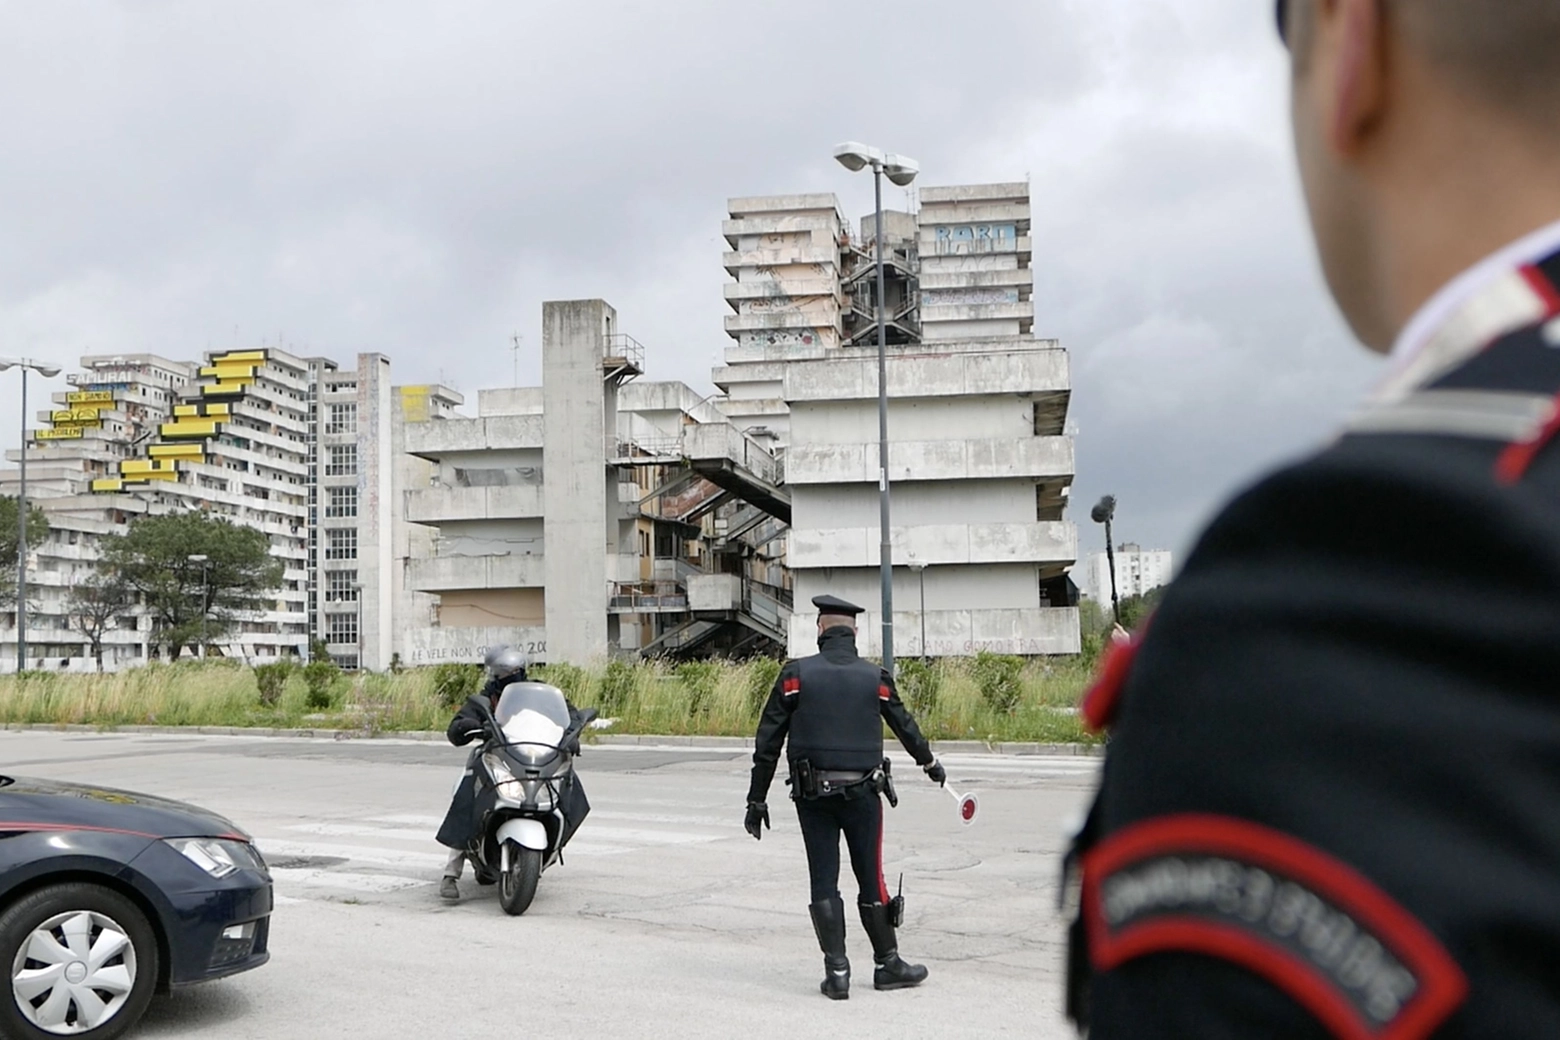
964, 747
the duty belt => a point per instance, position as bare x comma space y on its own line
834, 779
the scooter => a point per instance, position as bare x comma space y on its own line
528, 799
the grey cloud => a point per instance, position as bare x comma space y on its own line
416, 178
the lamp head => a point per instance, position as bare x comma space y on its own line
1105, 510
854, 156
901, 169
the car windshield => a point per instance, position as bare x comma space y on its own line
533, 716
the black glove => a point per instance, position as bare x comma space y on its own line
936, 773
758, 813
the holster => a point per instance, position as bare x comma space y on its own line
804, 781
885, 783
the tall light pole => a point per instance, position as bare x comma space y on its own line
205, 595
48, 372
1103, 513
357, 594
901, 170
919, 566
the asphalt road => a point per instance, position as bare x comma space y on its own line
667, 920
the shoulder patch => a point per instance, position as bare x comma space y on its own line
1303, 920
884, 692
791, 685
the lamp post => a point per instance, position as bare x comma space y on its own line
357, 594
205, 595
1103, 513
901, 170
48, 372
919, 566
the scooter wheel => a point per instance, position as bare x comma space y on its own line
517, 887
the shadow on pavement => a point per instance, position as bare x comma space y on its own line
207, 1008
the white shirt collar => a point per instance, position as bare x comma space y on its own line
1444, 305
1487, 300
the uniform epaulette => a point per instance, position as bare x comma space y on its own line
1509, 392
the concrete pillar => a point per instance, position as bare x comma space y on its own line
577, 527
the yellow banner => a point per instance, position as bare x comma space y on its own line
75, 417
63, 433
90, 397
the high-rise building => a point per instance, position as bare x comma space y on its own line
296, 448
979, 461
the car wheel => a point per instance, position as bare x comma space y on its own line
82, 960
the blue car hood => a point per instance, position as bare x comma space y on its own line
51, 804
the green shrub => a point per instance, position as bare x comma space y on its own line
617, 687
999, 678
762, 674
452, 683
319, 675
918, 684
573, 680
700, 679
272, 681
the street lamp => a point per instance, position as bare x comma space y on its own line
357, 594
901, 170
48, 372
1103, 513
205, 595
919, 566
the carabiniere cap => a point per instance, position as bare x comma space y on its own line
835, 605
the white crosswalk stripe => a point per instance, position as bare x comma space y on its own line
383, 855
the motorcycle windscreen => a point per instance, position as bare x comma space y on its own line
533, 718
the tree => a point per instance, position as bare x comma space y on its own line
93, 608
37, 531
193, 599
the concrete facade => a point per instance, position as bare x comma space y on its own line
294, 447
578, 519
979, 461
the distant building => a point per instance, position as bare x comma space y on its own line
1138, 571
595, 516
297, 448
980, 465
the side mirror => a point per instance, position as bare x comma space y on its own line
588, 716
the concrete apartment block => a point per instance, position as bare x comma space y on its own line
979, 462
578, 519
294, 447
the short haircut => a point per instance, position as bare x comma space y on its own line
827, 621
1502, 53
1499, 52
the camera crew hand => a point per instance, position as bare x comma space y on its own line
757, 819
936, 773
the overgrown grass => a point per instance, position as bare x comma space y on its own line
987, 698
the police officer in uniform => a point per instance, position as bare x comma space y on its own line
1329, 805
833, 706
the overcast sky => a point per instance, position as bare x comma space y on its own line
416, 177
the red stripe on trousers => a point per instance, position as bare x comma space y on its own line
882, 885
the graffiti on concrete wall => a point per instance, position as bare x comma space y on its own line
946, 297
779, 338
959, 239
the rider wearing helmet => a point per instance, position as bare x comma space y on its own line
505, 665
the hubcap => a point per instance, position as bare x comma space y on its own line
74, 972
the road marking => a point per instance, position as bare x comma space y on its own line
340, 879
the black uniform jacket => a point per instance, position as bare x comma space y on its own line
1331, 801
833, 706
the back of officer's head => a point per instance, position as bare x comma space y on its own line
1408, 112
828, 621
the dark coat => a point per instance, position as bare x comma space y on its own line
1329, 802
832, 706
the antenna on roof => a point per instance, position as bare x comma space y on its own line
514, 347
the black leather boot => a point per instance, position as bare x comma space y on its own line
891, 973
828, 918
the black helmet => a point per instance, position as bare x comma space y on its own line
506, 661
